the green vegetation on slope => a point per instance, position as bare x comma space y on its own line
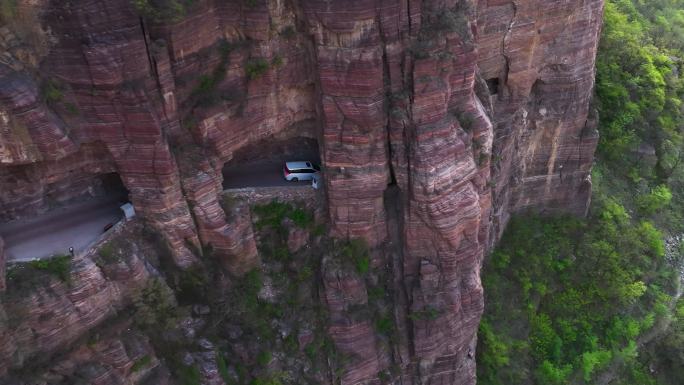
590, 301
567, 297
162, 10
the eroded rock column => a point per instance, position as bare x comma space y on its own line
349, 55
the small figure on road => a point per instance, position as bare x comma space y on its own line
71, 251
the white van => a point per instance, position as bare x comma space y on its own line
296, 171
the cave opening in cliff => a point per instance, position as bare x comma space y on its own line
113, 187
493, 85
260, 164
30, 191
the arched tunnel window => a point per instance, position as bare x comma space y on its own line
112, 186
73, 213
493, 86
263, 164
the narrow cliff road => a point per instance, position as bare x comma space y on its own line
75, 225
257, 174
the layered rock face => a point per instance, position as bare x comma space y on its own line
42, 314
469, 110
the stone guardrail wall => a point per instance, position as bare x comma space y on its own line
105, 237
261, 195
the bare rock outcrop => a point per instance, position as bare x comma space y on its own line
121, 358
41, 314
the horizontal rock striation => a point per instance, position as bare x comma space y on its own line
41, 314
545, 135
469, 110
120, 357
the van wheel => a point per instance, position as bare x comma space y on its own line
295, 179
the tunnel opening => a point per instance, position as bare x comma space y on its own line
30, 190
70, 214
263, 163
112, 186
107, 187
493, 86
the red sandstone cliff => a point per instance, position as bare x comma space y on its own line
471, 110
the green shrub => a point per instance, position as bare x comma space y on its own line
141, 363
192, 284
288, 32
271, 214
362, 264
356, 251
550, 374
657, 199
376, 293
428, 313
420, 48
384, 325
52, 92
206, 84
71, 108
465, 119
223, 368
108, 253
281, 253
256, 67
188, 375
301, 218
277, 61
290, 344
264, 358
272, 380
652, 239
8, 10
162, 10
494, 352
59, 266
304, 274
311, 350
248, 286
205, 93
155, 306
545, 343
251, 283
592, 361
318, 230
445, 20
